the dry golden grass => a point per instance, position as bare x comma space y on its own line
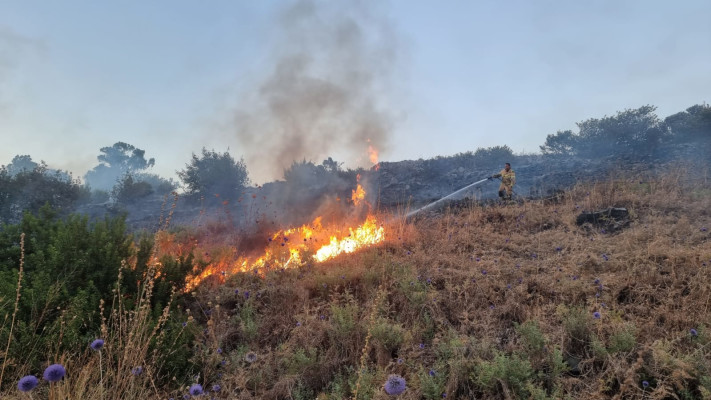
496, 301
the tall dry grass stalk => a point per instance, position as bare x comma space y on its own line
17, 304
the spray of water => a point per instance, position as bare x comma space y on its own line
449, 196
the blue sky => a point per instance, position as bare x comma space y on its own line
443, 77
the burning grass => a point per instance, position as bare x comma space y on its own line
482, 302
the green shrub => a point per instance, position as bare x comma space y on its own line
513, 371
624, 340
300, 360
533, 338
390, 336
432, 383
343, 320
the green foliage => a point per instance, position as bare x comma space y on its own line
300, 360
623, 340
576, 323
340, 386
343, 320
128, 190
28, 190
691, 125
493, 155
632, 132
598, 348
390, 336
302, 392
563, 143
247, 321
114, 162
159, 184
451, 347
368, 384
432, 383
69, 266
533, 338
214, 173
512, 371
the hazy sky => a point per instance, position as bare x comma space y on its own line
437, 78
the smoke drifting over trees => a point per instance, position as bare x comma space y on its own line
323, 96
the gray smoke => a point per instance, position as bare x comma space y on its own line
325, 92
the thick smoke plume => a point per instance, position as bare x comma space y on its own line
325, 92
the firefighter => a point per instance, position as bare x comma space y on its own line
508, 179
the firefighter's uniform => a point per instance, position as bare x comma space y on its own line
508, 179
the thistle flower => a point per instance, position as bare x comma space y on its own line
400, 360
432, 372
219, 350
645, 384
137, 370
54, 373
422, 345
596, 315
693, 332
97, 344
394, 385
27, 383
246, 294
250, 357
216, 388
195, 390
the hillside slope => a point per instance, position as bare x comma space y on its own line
488, 302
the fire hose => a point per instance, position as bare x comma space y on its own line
449, 196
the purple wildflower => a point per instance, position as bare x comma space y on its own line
693, 332
137, 370
97, 344
250, 357
394, 385
54, 373
185, 324
27, 383
645, 384
422, 345
219, 350
596, 315
246, 294
483, 272
400, 360
432, 372
195, 390
298, 323
216, 388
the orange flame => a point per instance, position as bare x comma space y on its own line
373, 154
293, 247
